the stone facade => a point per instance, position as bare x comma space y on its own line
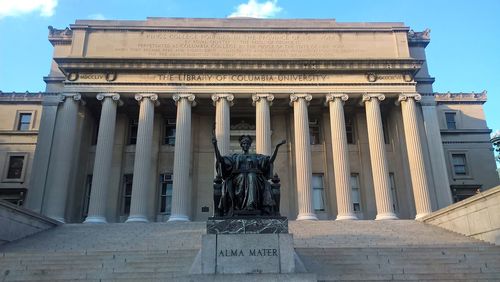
127, 136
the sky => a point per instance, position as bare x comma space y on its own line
463, 56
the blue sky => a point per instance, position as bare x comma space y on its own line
463, 55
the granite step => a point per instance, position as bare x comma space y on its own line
360, 250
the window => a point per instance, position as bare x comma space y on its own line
395, 207
133, 125
169, 137
318, 192
349, 129
86, 199
127, 193
24, 122
450, 120
13, 195
314, 132
15, 168
459, 164
355, 190
165, 196
242, 126
462, 192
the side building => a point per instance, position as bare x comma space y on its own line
20, 115
466, 142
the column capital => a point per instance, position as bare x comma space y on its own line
75, 96
368, 97
113, 96
330, 97
228, 97
151, 96
256, 98
405, 96
189, 97
295, 97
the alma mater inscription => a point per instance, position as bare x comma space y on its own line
249, 252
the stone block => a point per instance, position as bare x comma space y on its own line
245, 254
261, 225
479, 221
248, 253
287, 253
289, 277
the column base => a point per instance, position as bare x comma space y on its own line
386, 216
420, 215
178, 217
95, 219
307, 216
347, 217
136, 218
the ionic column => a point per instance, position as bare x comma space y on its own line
262, 102
143, 156
436, 155
103, 158
222, 103
182, 158
44, 148
378, 157
64, 139
303, 164
415, 154
340, 149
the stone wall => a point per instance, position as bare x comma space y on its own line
17, 222
475, 217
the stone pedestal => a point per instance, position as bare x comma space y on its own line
262, 225
247, 246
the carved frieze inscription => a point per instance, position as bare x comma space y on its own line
243, 78
241, 45
234, 78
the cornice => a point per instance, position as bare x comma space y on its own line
17, 132
21, 97
428, 80
53, 79
237, 24
68, 65
60, 36
466, 131
461, 98
420, 39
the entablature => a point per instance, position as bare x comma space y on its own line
69, 65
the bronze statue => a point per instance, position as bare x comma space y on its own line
245, 184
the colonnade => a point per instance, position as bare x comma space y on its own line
222, 103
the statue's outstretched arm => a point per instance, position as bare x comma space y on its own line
217, 152
273, 157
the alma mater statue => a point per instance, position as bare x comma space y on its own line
245, 185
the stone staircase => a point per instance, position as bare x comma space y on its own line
354, 250
392, 250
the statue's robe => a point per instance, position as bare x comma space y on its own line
245, 186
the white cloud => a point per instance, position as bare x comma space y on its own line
14, 8
256, 9
495, 133
97, 16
